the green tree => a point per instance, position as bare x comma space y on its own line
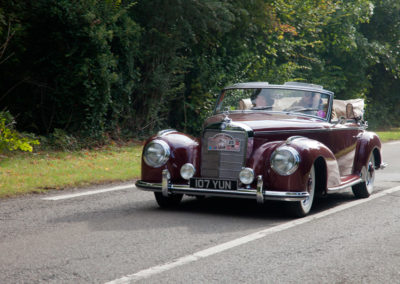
383, 33
172, 33
64, 67
93, 67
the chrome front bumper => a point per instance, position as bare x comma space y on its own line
259, 194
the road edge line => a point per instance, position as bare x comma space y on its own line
85, 193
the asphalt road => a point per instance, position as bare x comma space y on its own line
122, 233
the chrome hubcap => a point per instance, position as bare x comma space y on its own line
370, 176
306, 204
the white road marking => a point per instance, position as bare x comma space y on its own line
142, 274
67, 196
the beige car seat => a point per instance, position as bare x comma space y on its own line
245, 104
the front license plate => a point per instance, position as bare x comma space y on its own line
213, 183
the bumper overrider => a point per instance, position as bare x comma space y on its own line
166, 187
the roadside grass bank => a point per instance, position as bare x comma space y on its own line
393, 134
22, 173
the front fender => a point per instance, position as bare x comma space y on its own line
309, 150
312, 150
259, 162
184, 149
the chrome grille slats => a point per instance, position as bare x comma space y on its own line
223, 164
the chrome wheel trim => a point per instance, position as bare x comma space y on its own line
307, 203
370, 174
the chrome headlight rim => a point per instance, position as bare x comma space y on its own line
246, 176
295, 163
187, 171
166, 152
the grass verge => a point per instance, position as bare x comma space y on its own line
393, 134
23, 173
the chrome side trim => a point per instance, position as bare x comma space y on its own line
308, 130
354, 182
343, 186
240, 193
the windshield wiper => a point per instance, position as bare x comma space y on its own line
261, 107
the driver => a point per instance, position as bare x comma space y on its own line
312, 103
264, 98
309, 100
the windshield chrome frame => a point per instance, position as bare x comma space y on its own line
282, 87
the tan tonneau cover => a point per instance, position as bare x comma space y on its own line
339, 108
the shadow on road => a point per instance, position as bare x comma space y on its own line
203, 216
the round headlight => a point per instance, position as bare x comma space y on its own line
285, 160
187, 171
246, 176
156, 153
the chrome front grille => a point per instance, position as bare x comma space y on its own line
220, 163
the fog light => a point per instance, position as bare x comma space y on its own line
187, 171
246, 176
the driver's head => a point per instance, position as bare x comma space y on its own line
264, 98
308, 98
312, 99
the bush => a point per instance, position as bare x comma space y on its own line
10, 139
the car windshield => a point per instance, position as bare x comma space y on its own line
269, 99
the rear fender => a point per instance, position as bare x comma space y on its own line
367, 143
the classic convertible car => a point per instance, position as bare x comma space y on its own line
289, 142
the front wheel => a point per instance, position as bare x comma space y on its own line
366, 187
170, 201
302, 208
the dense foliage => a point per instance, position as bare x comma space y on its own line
100, 68
10, 139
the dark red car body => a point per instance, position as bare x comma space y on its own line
339, 155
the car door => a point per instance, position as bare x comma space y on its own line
343, 143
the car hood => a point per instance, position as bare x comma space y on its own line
271, 121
